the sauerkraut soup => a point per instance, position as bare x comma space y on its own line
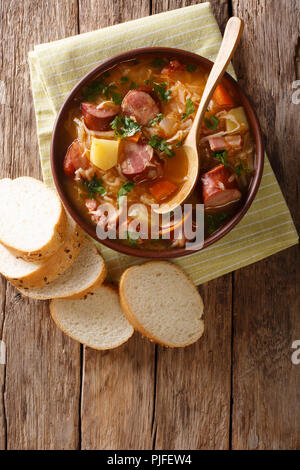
125, 132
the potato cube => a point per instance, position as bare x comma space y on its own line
104, 153
239, 115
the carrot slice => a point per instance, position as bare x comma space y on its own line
222, 97
162, 189
135, 137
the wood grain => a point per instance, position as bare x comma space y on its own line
266, 385
193, 385
42, 381
118, 386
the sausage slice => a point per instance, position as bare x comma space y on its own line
141, 105
139, 163
219, 187
74, 159
98, 119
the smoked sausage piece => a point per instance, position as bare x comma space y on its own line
98, 119
74, 159
219, 187
140, 105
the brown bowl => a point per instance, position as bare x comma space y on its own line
59, 147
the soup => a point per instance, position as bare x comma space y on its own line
125, 133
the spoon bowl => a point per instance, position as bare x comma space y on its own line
232, 35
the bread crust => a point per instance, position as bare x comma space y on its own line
54, 317
132, 318
75, 296
55, 265
57, 239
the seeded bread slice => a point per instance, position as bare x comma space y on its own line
33, 220
84, 277
97, 321
33, 274
161, 302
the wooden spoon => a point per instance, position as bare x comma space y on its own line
232, 34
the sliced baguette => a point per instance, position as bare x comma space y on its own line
162, 303
33, 274
97, 321
84, 277
33, 220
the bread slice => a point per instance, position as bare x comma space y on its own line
33, 274
33, 220
84, 277
161, 302
97, 321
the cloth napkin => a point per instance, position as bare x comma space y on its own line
57, 66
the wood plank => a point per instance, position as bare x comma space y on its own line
266, 384
193, 385
118, 386
42, 381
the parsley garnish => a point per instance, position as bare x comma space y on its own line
124, 80
125, 127
190, 108
241, 168
178, 143
95, 187
162, 92
153, 121
133, 85
94, 89
160, 144
91, 91
191, 67
222, 157
132, 238
147, 82
158, 62
214, 222
125, 188
212, 122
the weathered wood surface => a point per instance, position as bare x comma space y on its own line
42, 379
266, 385
237, 386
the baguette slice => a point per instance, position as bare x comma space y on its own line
97, 321
162, 303
33, 220
84, 277
33, 274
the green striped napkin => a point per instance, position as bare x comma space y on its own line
56, 67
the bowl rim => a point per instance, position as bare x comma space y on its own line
254, 185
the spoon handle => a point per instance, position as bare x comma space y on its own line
232, 34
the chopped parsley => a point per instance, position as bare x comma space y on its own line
215, 221
125, 127
178, 143
191, 67
116, 97
222, 157
241, 168
106, 74
125, 188
96, 88
162, 92
147, 82
212, 122
91, 91
156, 119
158, 62
95, 186
160, 144
190, 108
124, 80
132, 238
133, 85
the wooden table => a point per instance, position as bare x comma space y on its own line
237, 387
